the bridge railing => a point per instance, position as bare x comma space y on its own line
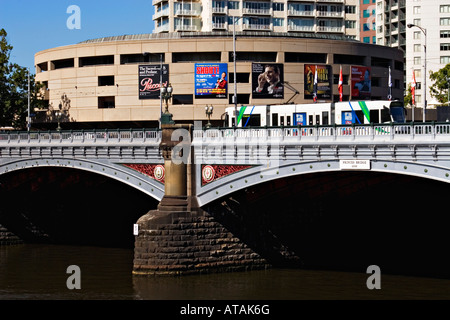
371, 131
81, 136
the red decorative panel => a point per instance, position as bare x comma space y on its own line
154, 171
213, 172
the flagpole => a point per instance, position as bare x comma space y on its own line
340, 83
390, 85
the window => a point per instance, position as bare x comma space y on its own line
445, 47
278, 6
233, 4
105, 81
303, 57
444, 21
350, 9
182, 99
417, 60
445, 59
141, 58
63, 63
196, 56
278, 22
417, 34
106, 102
96, 60
416, 10
444, 8
445, 34
350, 24
417, 48
254, 56
241, 77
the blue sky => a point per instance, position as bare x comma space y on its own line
36, 25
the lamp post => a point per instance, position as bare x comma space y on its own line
58, 115
166, 94
235, 19
410, 25
209, 112
160, 83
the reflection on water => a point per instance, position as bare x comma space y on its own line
34, 271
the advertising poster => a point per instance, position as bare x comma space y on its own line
267, 80
149, 80
324, 77
361, 82
211, 80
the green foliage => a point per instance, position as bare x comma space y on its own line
441, 79
14, 89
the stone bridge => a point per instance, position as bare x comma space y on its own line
186, 168
227, 160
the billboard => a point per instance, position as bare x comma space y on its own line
361, 82
211, 80
267, 80
149, 80
324, 77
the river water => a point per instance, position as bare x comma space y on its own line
39, 272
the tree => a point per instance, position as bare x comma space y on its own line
439, 89
14, 89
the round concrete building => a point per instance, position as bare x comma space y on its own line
114, 82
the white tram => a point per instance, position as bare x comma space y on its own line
358, 112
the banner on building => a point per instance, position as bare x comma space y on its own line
149, 80
322, 90
211, 80
361, 82
267, 80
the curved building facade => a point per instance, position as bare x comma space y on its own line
114, 82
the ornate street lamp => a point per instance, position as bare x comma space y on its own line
166, 94
58, 115
209, 112
424, 31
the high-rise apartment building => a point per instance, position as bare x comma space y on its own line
391, 23
331, 17
431, 27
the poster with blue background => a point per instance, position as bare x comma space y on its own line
211, 80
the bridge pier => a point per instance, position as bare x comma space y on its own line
179, 237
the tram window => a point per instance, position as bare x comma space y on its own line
374, 116
325, 117
253, 120
385, 116
275, 119
360, 116
310, 120
288, 120
282, 121
317, 119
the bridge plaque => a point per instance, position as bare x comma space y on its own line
354, 164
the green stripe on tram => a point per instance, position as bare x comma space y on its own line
365, 110
241, 114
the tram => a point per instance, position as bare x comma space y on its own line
349, 112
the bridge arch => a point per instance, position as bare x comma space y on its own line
258, 174
116, 171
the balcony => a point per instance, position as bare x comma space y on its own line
330, 14
187, 28
219, 10
300, 28
184, 12
162, 13
333, 29
293, 12
219, 25
259, 27
252, 11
